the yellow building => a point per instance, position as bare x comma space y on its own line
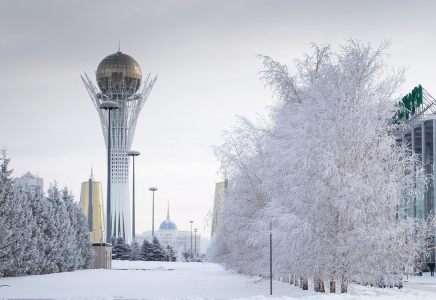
220, 193
96, 210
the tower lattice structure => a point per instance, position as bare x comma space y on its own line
119, 79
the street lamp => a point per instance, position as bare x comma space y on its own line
101, 246
195, 241
133, 153
109, 105
191, 236
94, 233
152, 222
270, 257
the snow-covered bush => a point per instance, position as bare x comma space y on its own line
325, 170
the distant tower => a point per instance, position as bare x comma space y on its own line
91, 200
119, 79
220, 194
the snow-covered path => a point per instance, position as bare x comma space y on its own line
162, 280
421, 283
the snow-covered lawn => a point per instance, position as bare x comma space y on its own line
175, 280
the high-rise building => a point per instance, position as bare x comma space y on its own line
119, 79
29, 183
91, 199
417, 110
220, 194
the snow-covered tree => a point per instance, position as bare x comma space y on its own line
157, 253
169, 252
325, 170
15, 224
40, 235
120, 249
135, 250
146, 250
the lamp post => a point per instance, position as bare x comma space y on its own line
94, 233
101, 246
270, 257
195, 241
152, 222
109, 105
191, 236
133, 153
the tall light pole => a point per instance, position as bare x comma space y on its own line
195, 241
109, 105
101, 246
191, 236
152, 222
270, 257
133, 153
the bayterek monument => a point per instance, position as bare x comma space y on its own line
119, 79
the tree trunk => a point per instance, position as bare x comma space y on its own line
321, 285
305, 283
318, 284
296, 283
333, 286
291, 279
344, 285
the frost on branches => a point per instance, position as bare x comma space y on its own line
326, 170
38, 234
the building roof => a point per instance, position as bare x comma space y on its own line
168, 224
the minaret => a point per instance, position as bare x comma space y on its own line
168, 211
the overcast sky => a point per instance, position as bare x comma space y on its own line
204, 55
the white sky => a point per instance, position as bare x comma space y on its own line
204, 55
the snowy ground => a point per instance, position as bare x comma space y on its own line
163, 280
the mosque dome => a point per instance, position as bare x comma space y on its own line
114, 65
168, 224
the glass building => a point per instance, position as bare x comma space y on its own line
418, 111
91, 200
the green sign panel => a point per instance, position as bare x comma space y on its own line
408, 105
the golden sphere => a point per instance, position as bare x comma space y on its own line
114, 66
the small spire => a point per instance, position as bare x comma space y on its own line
168, 211
119, 45
92, 175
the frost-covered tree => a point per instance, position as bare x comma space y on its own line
169, 252
120, 250
325, 170
146, 250
81, 246
14, 225
40, 235
135, 250
157, 253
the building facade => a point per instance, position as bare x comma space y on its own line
91, 200
168, 234
29, 183
418, 111
103, 256
220, 194
119, 79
